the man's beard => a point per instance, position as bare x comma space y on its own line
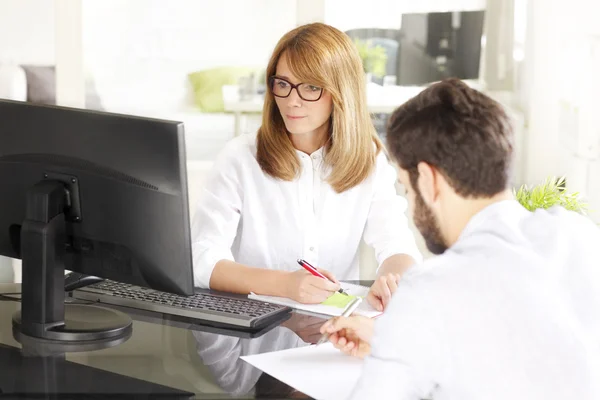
428, 225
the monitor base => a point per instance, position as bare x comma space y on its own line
82, 324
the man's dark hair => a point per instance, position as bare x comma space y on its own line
465, 134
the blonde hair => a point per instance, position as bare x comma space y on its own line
324, 56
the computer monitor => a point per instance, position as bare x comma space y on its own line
98, 193
438, 45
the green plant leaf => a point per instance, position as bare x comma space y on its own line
548, 194
374, 58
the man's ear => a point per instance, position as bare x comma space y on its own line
427, 182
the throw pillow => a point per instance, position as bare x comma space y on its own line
207, 85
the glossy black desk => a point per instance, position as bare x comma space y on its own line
164, 357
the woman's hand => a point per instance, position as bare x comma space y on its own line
309, 289
382, 290
352, 335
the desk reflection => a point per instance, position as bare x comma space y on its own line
221, 354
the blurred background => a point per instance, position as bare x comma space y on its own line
202, 62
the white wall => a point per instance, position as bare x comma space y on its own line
140, 51
143, 49
27, 31
308, 11
353, 14
68, 43
560, 75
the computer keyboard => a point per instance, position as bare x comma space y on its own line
204, 306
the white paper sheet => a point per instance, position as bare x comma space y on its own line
322, 372
364, 308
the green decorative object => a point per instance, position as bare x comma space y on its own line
374, 58
550, 193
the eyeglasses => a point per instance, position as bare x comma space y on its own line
282, 88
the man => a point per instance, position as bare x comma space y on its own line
510, 309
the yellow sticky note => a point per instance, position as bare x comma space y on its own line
338, 300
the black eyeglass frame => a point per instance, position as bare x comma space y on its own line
292, 87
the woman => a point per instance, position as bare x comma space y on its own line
309, 185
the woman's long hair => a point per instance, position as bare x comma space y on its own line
322, 55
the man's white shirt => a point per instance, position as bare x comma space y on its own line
511, 311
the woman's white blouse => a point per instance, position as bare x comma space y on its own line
246, 216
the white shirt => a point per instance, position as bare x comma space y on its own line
246, 216
511, 311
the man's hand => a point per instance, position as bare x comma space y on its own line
382, 290
352, 335
308, 289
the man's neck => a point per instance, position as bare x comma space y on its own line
465, 209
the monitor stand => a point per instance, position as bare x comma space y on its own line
44, 314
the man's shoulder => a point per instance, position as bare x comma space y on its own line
572, 218
432, 269
559, 226
435, 281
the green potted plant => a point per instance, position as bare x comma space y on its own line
550, 193
374, 58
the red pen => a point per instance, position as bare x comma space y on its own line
306, 265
